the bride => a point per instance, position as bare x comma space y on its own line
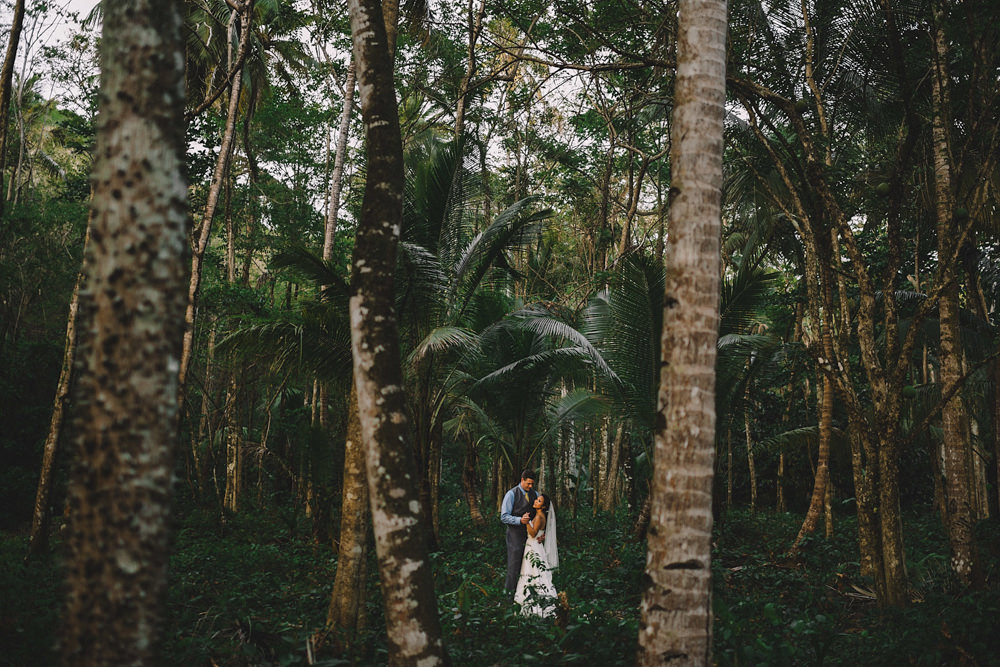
535, 591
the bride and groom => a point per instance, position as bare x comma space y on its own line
532, 551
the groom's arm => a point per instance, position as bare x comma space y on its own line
505, 510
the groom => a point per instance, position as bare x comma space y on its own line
515, 512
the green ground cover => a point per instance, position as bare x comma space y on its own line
256, 592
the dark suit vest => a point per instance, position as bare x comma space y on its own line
522, 505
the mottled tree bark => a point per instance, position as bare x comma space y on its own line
676, 610
957, 475
412, 624
124, 414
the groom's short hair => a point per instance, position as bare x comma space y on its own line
528, 474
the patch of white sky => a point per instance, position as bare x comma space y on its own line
45, 25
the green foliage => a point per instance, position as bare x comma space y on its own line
30, 601
819, 609
254, 590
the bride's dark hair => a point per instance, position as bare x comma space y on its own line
545, 503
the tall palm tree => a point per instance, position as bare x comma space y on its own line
676, 611
444, 264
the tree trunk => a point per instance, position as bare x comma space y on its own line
864, 467
729, 469
609, 498
6, 83
676, 610
893, 588
412, 622
245, 12
205, 432
337, 178
347, 604
39, 537
131, 305
751, 463
470, 486
234, 449
956, 456
822, 479
474, 23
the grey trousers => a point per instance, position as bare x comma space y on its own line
516, 537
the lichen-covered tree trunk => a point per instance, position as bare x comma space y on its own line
131, 318
676, 610
346, 615
412, 623
956, 456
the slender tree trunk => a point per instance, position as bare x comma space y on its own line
828, 508
347, 604
865, 473
676, 610
642, 520
822, 478
234, 449
956, 457
337, 178
610, 497
751, 463
470, 486
245, 12
38, 539
253, 175
412, 623
729, 468
131, 305
779, 501
893, 556
204, 435
6, 84
474, 23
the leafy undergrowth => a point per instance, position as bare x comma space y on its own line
817, 609
256, 593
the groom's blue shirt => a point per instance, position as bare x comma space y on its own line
507, 505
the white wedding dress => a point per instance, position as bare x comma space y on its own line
535, 591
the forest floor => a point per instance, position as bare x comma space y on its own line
256, 592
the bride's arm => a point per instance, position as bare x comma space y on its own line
536, 524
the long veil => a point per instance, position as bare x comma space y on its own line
550, 543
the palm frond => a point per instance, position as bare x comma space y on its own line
515, 227
538, 321
312, 267
443, 339
800, 438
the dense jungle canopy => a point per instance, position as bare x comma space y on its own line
292, 291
